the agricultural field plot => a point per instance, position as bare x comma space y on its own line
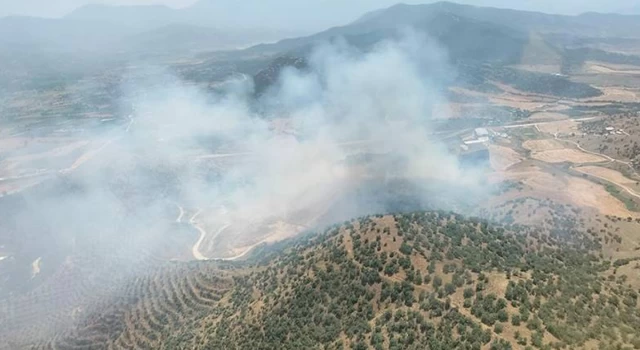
608, 80
554, 151
567, 155
610, 68
547, 116
564, 127
618, 94
564, 188
503, 157
610, 175
542, 145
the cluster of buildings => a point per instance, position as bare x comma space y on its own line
474, 151
613, 131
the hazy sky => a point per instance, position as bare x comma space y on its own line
56, 8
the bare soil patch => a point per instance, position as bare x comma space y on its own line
620, 94
503, 157
35, 267
559, 127
567, 155
542, 145
608, 68
567, 189
546, 116
608, 174
588, 194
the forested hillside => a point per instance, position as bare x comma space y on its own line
412, 281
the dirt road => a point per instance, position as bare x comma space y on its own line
627, 189
81, 160
180, 215
628, 164
196, 247
514, 126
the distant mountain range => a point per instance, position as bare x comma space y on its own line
501, 20
482, 42
309, 16
214, 25
144, 29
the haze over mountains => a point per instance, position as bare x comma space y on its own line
213, 25
139, 143
330, 14
112, 35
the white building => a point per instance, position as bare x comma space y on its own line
476, 141
481, 132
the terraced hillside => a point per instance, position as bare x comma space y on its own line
413, 281
146, 311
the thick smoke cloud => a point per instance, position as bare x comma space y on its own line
291, 151
323, 144
312, 139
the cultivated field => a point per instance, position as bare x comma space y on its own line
566, 155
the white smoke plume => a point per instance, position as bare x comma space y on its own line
240, 168
383, 101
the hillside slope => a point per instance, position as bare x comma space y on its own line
481, 46
413, 281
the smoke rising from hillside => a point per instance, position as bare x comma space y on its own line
308, 124
289, 161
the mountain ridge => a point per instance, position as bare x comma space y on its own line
403, 281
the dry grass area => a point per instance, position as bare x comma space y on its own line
608, 174
511, 97
35, 267
516, 101
610, 68
567, 155
241, 233
272, 233
542, 145
559, 127
503, 157
588, 194
618, 94
547, 116
565, 189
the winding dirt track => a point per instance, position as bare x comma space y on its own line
627, 189
203, 233
180, 215
196, 247
611, 159
628, 164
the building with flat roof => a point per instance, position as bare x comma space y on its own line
481, 132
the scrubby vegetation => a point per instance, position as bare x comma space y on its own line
412, 281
